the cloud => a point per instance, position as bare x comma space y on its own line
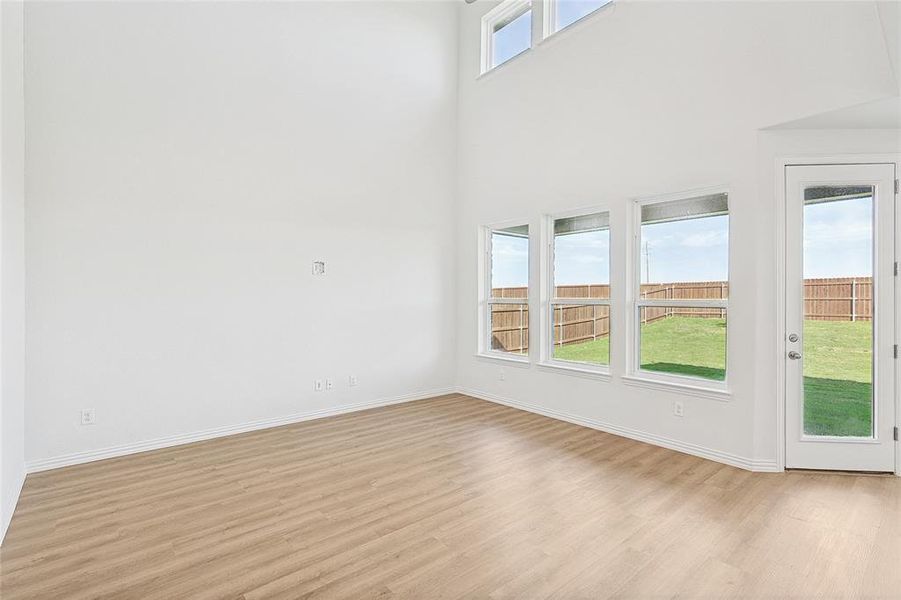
706, 239
830, 234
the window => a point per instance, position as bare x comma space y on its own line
580, 294
506, 32
507, 297
681, 301
562, 13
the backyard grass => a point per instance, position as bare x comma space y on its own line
838, 378
837, 382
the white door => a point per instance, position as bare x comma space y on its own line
839, 338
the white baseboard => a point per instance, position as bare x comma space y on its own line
768, 466
188, 438
6, 512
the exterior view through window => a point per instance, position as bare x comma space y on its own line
580, 310
838, 311
512, 38
570, 11
684, 286
508, 300
506, 32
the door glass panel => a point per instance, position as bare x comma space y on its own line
837, 351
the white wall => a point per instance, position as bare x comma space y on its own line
185, 164
643, 99
12, 262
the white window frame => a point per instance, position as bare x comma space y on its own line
550, 299
486, 301
549, 17
505, 11
718, 390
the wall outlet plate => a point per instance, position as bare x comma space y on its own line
329, 384
317, 385
352, 380
88, 417
318, 267
678, 408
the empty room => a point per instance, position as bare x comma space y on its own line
450, 299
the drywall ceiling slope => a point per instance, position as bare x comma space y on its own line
879, 114
877, 51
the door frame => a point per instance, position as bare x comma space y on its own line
781, 227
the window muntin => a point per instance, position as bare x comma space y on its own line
560, 14
580, 296
683, 288
506, 33
507, 303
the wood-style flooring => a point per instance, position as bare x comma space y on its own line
450, 497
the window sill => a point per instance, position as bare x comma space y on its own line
519, 361
576, 370
510, 60
720, 393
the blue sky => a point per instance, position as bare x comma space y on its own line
509, 261
570, 11
689, 250
513, 38
582, 258
837, 243
838, 239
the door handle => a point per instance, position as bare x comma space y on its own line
794, 355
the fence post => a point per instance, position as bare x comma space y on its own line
853, 300
722, 294
520, 330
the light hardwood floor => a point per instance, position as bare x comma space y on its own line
446, 498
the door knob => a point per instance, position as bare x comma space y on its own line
794, 355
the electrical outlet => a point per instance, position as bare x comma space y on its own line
318, 267
352, 381
317, 385
329, 384
678, 408
88, 417
502, 376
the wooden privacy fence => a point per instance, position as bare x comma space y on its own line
695, 290
834, 299
510, 322
839, 299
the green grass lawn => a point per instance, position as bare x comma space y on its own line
838, 378
837, 381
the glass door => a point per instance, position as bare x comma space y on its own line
839, 343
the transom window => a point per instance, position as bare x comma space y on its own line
559, 14
681, 306
506, 32
580, 295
